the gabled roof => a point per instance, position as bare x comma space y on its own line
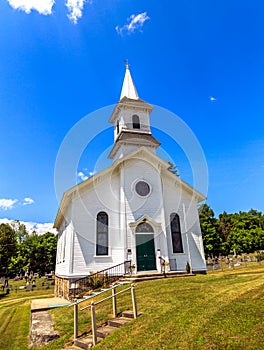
142, 153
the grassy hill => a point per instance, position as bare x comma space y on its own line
222, 310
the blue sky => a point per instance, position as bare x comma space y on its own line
59, 62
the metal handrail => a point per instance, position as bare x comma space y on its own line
107, 276
103, 271
93, 315
107, 298
98, 293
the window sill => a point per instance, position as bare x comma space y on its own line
102, 256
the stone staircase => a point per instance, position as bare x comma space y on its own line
103, 331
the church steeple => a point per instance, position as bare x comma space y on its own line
128, 88
131, 120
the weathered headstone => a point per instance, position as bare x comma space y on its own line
29, 287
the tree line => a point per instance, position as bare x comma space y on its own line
241, 232
21, 251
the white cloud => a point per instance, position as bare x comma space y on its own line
5, 221
44, 7
82, 176
75, 8
39, 228
212, 98
28, 200
85, 174
6, 204
134, 22
33, 226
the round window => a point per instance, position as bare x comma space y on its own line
142, 188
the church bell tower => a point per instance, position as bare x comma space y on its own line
131, 120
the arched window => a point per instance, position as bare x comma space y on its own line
144, 227
136, 122
102, 234
176, 233
117, 127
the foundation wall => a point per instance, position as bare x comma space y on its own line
63, 288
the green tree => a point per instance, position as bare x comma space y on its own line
48, 249
20, 251
8, 247
37, 253
213, 244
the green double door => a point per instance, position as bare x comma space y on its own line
145, 249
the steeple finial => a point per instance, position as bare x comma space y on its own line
128, 88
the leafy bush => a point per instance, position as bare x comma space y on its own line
188, 267
260, 256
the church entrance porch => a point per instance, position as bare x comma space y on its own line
145, 250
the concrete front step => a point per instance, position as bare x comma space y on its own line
140, 277
104, 331
85, 343
118, 321
128, 314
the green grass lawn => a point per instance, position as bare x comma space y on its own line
15, 314
220, 310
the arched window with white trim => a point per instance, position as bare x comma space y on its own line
136, 121
176, 236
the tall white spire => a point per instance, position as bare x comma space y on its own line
128, 88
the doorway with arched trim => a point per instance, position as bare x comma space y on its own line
145, 247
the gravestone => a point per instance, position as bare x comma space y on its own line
29, 287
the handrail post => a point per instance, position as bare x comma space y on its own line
94, 331
134, 302
75, 320
114, 302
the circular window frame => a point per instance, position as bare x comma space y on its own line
145, 181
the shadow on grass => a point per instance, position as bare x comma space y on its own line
2, 295
237, 324
249, 272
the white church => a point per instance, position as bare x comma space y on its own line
136, 209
